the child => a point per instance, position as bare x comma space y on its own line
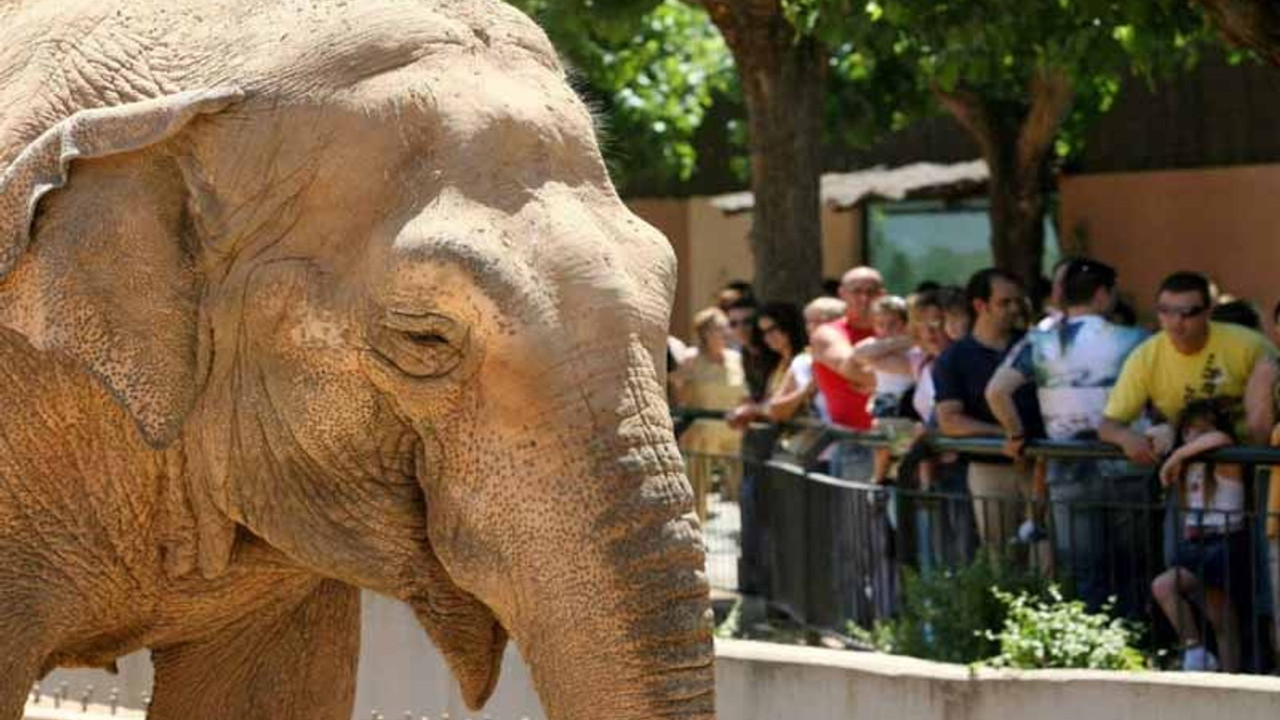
886, 356
1213, 550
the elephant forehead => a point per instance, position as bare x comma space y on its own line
303, 44
502, 121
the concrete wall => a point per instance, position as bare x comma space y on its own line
758, 681
714, 248
399, 671
1221, 221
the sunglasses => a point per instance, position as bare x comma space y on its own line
1180, 312
740, 323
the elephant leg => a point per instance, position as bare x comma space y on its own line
18, 674
290, 661
17, 678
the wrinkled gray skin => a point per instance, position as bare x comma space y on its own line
299, 297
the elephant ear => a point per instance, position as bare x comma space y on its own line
106, 271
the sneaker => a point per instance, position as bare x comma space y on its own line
1029, 532
1197, 659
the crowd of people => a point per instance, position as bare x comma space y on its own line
978, 362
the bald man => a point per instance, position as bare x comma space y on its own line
844, 383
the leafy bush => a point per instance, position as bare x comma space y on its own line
1056, 633
732, 625
949, 615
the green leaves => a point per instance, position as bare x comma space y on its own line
1056, 633
653, 67
994, 48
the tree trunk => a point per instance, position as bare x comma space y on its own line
782, 80
1252, 24
1016, 141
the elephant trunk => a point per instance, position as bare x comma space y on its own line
630, 637
625, 630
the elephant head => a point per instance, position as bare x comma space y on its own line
368, 282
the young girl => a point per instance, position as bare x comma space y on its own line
886, 355
1213, 551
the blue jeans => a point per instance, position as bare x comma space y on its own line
1102, 525
946, 536
851, 462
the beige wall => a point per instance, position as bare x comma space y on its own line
1222, 221
713, 248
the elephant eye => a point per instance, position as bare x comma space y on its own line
420, 346
427, 339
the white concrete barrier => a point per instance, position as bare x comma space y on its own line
400, 671
763, 681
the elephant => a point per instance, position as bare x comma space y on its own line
303, 297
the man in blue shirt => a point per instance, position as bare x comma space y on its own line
960, 375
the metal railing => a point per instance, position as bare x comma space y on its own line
829, 550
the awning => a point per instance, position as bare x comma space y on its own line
846, 190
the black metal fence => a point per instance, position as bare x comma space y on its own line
827, 550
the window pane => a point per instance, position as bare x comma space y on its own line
910, 242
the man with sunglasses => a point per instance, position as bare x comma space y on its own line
1191, 357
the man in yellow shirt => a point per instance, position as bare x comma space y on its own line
1190, 358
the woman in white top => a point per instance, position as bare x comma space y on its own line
1213, 551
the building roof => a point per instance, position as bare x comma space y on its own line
846, 190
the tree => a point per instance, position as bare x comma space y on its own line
1251, 24
651, 69
780, 75
1018, 76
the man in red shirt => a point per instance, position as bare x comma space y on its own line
841, 379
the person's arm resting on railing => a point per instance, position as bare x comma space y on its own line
999, 396
952, 419
1125, 403
953, 422
784, 404
832, 349
1171, 471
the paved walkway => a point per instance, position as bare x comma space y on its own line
723, 534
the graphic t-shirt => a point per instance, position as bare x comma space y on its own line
1074, 363
1158, 373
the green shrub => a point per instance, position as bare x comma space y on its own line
732, 625
948, 615
1056, 633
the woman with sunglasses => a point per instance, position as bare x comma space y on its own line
780, 328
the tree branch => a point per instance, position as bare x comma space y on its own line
1252, 24
1051, 97
971, 112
